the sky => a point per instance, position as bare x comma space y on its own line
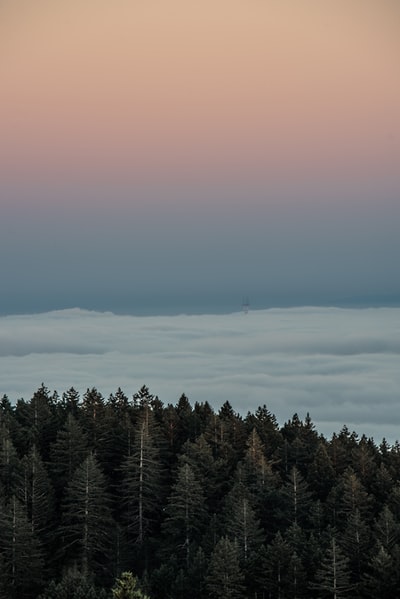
175, 156
340, 365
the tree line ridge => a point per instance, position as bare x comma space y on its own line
128, 497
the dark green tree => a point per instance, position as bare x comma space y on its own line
241, 523
333, 576
278, 566
37, 422
198, 455
386, 529
126, 587
266, 425
92, 414
225, 579
321, 474
117, 435
256, 468
38, 496
11, 469
73, 586
68, 451
186, 512
142, 478
355, 542
298, 497
20, 551
87, 521
70, 402
354, 495
382, 576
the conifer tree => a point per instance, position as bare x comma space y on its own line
141, 484
355, 541
241, 523
126, 587
117, 435
339, 450
382, 577
20, 551
198, 454
11, 469
386, 529
354, 496
38, 495
225, 579
298, 496
257, 469
38, 422
333, 576
87, 521
73, 586
364, 456
92, 413
321, 474
277, 569
381, 485
186, 512
68, 451
267, 429
70, 402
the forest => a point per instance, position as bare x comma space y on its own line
128, 497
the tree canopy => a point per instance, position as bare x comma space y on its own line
128, 498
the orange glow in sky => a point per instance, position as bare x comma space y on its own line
126, 89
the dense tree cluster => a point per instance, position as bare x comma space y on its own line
131, 498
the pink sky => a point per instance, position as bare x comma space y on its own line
167, 155
213, 89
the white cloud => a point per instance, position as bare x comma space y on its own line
340, 365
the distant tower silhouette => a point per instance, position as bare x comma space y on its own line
245, 305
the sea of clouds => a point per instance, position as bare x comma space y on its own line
340, 365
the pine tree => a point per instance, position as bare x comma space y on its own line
381, 485
225, 579
87, 522
141, 484
364, 457
92, 416
382, 576
186, 512
333, 577
321, 474
298, 496
70, 402
354, 495
339, 450
68, 451
198, 455
126, 587
241, 524
355, 541
73, 586
117, 435
11, 469
21, 553
38, 496
37, 421
386, 529
257, 470
277, 567
266, 425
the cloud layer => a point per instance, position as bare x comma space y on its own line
340, 365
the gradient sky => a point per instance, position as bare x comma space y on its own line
176, 155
